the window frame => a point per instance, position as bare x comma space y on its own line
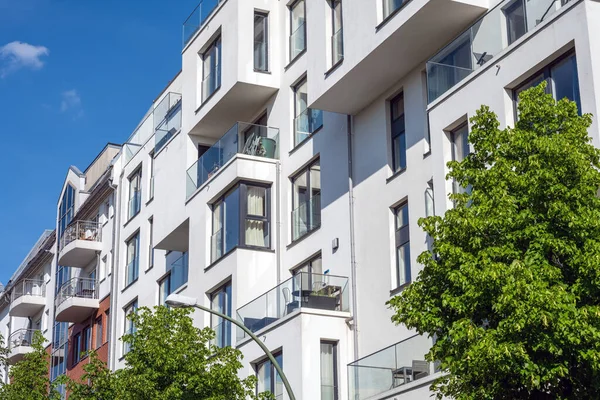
99, 332
150, 243
77, 348
135, 238
272, 371
335, 374
397, 166
291, 8
137, 174
309, 111
333, 4
225, 325
215, 44
265, 25
306, 170
128, 326
402, 240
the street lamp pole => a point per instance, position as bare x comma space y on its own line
179, 301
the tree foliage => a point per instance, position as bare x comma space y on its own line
512, 295
169, 358
29, 379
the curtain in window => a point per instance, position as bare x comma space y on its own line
255, 230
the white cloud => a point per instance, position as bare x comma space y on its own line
70, 100
17, 55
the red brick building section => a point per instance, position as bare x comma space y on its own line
98, 324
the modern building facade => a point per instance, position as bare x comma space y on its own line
280, 175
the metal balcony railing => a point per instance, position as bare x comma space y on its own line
303, 290
389, 368
244, 138
81, 230
21, 337
28, 287
488, 36
83, 288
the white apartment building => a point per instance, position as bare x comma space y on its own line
280, 175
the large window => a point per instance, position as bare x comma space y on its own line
261, 41
402, 238
297, 29
306, 200
129, 326
177, 274
337, 39
460, 149
135, 193
398, 133
268, 378
211, 69
329, 370
67, 209
561, 77
389, 6
220, 301
133, 259
241, 218
307, 120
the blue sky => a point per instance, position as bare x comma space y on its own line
74, 75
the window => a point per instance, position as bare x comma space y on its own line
261, 41
309, 273
135, 193
129, 325
107, 210
220, 301
102, 268
151, 194
67, 209
306, 200
297, 29
460, 149
307, 120
402, 245
77, 348
177, 274
133, 255
329, 371
337, 40
45, 319
398, 134
389, 6
108, 324
86, 341
211, 69
561, 77
241, 217
150, 242
268, 378
99, 333
108, 264
515, 20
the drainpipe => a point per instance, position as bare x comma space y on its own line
352, 234
115, 270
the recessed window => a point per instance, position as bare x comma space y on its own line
211, 69
261, 41
389, 6
220, 301
135, 193
150, 242
297, 29
307, 120
133, 258
99, 332
403, 273
515, 20
268, 378
562, 78
329, 370
337, 39
77, 348
398, 133
151, 194
177, 274
306, 200
129, 325
66, 210
309, 273
460, 149
241, 218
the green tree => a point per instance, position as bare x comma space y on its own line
29, 378
512, 295
169, 358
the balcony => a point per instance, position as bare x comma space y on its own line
390, 368
197, 18
243, 138
20, 344
162, 122
491, 34
76, 300
304, 290
28, 298
79, 244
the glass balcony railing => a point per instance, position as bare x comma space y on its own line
81, 230
22, 337
304, 290
84, 288
197, 18
28, 287
491, 34
261, 56
135, 204
298, 41
337, 47
211, 83
306, 217
254, 140
390, 368
306, 123
216, 245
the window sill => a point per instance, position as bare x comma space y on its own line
148, 269
399, 289
263, 249
181, 289
293, 61
301, 238
305, 140
150, 200
333, 68
205, 101
130, 219
395, 175
128, 286
427, 154
260, 71
389, 17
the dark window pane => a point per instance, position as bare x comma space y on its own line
565, 80
515, 19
